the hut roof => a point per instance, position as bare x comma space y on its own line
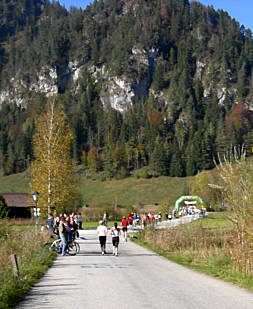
18, 199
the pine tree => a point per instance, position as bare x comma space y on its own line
158, 159
108, 168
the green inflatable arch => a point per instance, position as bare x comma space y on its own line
187, 198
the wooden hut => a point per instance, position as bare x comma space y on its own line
19, 204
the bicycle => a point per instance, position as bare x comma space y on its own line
72, 248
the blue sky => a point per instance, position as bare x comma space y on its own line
241, 10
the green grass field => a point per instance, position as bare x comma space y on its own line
131, 191
16, 183
214, 220
126, 192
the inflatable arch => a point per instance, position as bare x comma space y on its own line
187, 198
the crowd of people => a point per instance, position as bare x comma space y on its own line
191, 210
65, 227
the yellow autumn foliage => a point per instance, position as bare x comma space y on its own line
52, 171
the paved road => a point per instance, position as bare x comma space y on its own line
137, 278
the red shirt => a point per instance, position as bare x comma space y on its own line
130, 219
124, 223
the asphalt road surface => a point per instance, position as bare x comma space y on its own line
137, 278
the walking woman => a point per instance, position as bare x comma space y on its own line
115, 232
101, 232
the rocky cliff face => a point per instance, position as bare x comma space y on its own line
205, 46
118, 92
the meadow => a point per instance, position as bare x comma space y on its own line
125, 192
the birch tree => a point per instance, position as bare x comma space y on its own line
52, 171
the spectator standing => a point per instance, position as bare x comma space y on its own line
80, 221
101, 232
73, 228
105, 218
50, 222
68, 228
134, 219
144, 220
62, 234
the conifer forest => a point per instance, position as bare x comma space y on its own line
157, 86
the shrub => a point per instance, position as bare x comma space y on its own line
142, 173
237, 180
3, 208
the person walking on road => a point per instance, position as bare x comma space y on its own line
124, 228
101, 232
115, 232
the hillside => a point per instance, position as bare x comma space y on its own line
164, 85
126, 192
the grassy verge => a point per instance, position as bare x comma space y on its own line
208, 253
33, 261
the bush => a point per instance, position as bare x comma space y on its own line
3, 208
142, 173
121, 173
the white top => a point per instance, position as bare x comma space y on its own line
115, 232
101, 230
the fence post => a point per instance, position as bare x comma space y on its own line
14, 263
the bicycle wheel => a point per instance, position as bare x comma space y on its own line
72, 248
77, 247
56, 246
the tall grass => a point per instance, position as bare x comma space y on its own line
237, 180
204, 249
33, 260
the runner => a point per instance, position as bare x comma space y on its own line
115, 232
130, 219
101, 232
124, 228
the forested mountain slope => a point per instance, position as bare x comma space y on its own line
159, 84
